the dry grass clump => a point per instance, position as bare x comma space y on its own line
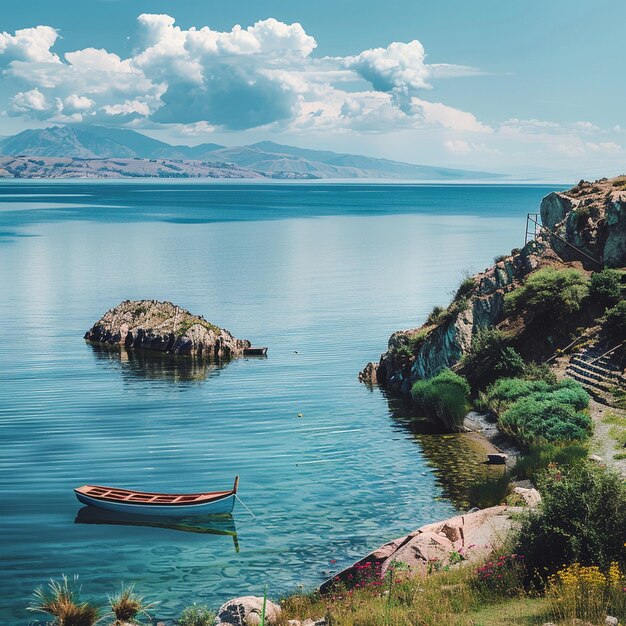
127, 606
62, 601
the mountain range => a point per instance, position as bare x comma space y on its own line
266, 157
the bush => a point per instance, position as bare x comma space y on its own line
581, 519
587, 594
196, 615
490, 357
606, 286
535, 411
615, 321
539, 371
436, 315
465, 289
444, 398
532, 420
549, 292
505, 391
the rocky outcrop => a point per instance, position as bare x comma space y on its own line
472, 537
164, 327
246, 611
421, 353
590, 217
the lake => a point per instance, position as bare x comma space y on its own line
322, 274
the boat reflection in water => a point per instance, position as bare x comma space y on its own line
207, 524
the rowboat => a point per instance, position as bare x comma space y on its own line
255, 351
160, 504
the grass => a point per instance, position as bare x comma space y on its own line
185, 325
538, 457
61, 600
619, 397
126, 606
196, 615
460, 595
489, 491
617, 430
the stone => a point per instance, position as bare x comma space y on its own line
530, 496
311, 622
246, 611
497, 458
611, 621
473, 535
595, 458
164, 327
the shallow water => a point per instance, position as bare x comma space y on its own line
322, 274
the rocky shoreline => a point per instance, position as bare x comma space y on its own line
166, 328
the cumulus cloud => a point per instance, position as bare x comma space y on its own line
261, 75
29, 44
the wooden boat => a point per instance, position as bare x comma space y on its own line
254, 351
158, 504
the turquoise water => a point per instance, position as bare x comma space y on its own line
322, 274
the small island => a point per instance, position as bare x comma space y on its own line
167, 328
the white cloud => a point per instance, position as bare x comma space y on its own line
29, 44
262, 75
436, 113
32, 101
457, 146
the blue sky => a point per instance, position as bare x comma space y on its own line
525, 87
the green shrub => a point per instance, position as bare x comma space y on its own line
490, 357
615, 321
196, 615
465, 289
531, 420
443, 398
606, 286
581, 519
549, 292
505, 391
436, 315
539, 371
489, 491
539, 456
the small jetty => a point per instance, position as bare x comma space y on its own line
255, 351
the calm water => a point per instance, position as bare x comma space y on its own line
322, 274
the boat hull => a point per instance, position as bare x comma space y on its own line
214, 507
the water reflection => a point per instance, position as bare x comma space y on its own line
457, 460
207, 524
156, 365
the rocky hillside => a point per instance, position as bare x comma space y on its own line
584, 229
164, 327
71, 167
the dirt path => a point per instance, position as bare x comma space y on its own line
608, 422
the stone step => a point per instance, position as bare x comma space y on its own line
595, 369
595, 373
587, 382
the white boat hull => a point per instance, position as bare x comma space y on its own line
219, 506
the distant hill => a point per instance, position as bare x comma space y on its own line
265, 157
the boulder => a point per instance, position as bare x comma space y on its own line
472, 536
166, 328
530, 496
497, 458
246, 611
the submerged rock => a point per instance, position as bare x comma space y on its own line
164, 327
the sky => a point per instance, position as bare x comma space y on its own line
527, 88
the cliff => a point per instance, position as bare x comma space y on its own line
583, 228
164, 327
